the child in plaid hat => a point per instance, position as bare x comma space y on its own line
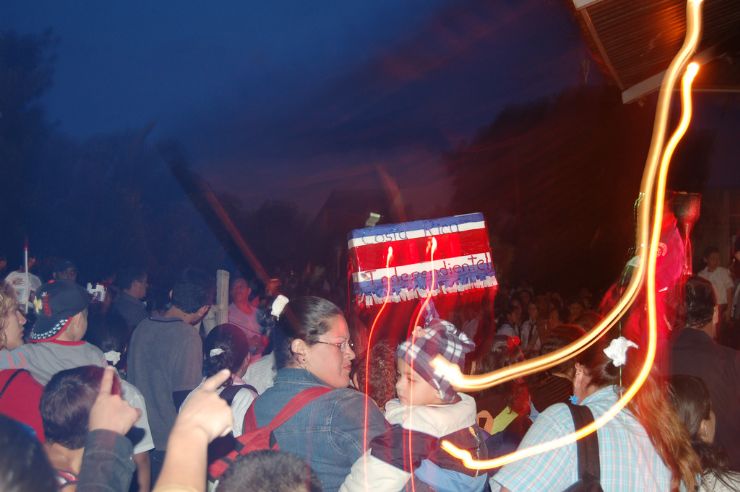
427, 410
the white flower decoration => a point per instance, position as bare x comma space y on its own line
112, 356
617, 350
278, 305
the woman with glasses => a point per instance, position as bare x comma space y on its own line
313, 350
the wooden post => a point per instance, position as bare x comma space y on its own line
222, 296
219, 312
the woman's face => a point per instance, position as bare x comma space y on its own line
708, 428
13, 330
330, 357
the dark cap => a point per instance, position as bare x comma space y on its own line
56, 303
63, 265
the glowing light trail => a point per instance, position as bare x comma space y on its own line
654, 157
431, 249
482, 381
388, 258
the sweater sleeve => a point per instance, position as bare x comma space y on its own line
384, 465
371, 473
106, 463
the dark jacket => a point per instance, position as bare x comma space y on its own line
107, 465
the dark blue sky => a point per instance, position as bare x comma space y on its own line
291, 99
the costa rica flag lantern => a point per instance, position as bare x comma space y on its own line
399, 263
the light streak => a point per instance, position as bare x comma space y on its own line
431, 249
388, 258
657, 160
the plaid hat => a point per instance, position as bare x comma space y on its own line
440, 337
56, 303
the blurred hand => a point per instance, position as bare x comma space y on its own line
111, 412
205, 411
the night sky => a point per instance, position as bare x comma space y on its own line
291, 99
299, 101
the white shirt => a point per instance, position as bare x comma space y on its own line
721, 281
134, 398
261, 374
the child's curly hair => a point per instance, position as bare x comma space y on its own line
382, 377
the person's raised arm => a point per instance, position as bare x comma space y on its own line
106, 462
202, 419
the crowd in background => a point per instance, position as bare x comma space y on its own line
111, 387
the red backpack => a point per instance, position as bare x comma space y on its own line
256, 438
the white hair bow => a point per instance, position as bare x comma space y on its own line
215, 352
112, 356
278, 305
617, 350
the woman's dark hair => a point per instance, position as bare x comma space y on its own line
700, 302
381, 380
690, 398
650, 407
557, 338
233, 345
107, 331
24, 466
505, 352
66, 403
304, 318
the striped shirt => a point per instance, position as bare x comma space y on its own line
628, 459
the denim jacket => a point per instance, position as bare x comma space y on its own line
328, 432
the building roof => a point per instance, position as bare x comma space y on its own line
634, 41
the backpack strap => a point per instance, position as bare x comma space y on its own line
589, 465
10, 380
230, 392
295, 404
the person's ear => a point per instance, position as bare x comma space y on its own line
704, 430
298, 347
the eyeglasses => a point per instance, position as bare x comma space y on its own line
342, 346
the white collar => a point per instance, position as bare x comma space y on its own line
435, 420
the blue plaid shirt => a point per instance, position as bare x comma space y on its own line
629, 461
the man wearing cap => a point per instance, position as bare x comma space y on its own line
56, 337
57, 345
65, 270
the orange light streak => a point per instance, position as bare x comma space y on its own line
482, 381
388, 258
690, 43
431, 249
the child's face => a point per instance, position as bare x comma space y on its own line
412, 389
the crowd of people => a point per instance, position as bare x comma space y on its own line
102, 391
